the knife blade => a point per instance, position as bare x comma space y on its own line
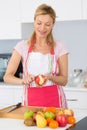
13, 107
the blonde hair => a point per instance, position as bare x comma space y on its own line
43, 10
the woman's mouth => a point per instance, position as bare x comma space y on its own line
42, 32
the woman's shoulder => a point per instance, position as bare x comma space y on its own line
59, 44
22, 43
22, 46
60, 48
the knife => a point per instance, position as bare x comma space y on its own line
13, 107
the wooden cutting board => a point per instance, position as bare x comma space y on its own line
19, 112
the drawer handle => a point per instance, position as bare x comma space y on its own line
72, 99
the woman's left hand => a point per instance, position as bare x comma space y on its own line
28, 79
49, 76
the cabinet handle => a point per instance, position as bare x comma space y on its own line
72, 99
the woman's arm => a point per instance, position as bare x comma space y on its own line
62, 78
12, 68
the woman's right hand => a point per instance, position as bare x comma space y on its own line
28, 79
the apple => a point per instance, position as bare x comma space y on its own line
60, 112
34, 117
49, 115
62, 120
68, 112
40, 79
28, 114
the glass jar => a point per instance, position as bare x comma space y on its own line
75, 78
84, 78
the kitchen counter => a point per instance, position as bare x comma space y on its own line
15, 124
18, 124
5, 85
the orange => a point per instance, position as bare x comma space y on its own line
49, 120
50, 109
71, 120
53, 124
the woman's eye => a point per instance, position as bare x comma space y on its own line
39, 23
47, 25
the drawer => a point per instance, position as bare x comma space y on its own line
76, 99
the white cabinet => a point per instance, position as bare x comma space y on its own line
65, 9
18, 95
76, 98
84, 8
10, 22
10, 94
6, 96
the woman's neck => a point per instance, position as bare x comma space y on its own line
41, 46
41, 41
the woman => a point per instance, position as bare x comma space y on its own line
41, 55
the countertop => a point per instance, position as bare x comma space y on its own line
5, 85
15, 124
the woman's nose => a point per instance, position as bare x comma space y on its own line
43, 27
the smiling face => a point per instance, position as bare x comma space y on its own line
43, 25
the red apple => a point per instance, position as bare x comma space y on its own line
34, 117
68, 112
40, 79
62, 120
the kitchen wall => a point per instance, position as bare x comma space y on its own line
72, 33
6, 46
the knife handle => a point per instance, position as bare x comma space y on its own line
19, 104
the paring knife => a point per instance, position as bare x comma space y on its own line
13, 107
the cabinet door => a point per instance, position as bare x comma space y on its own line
76, 99
18, 95
10, 19
65, 9
10, 30
84, 9
6, 96
27, 10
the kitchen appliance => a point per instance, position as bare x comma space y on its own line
4, 59
80, 125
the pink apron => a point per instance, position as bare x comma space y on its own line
45, 96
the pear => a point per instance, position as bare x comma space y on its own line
41, 122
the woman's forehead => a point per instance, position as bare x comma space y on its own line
44, 18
